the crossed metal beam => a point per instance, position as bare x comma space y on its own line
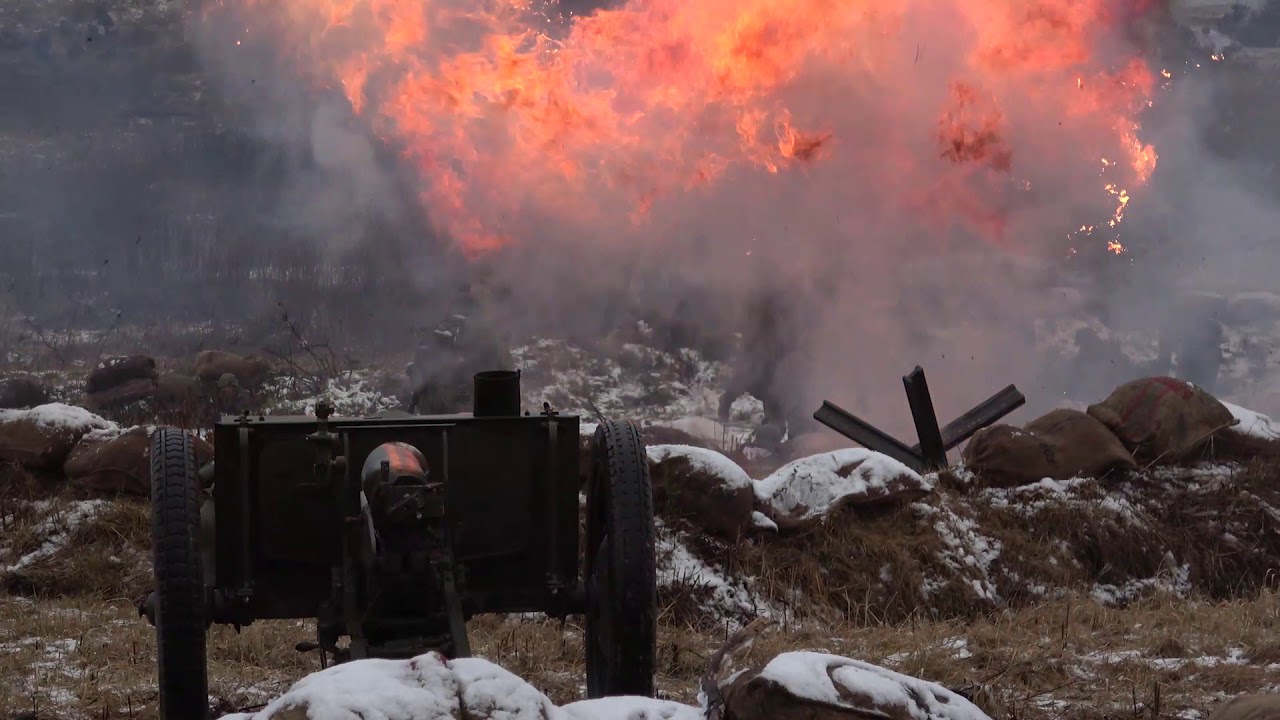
931, 452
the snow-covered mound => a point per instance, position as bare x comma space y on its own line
429, 687
708, 462
812, 487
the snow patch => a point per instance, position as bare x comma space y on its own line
1254, 424
56, 529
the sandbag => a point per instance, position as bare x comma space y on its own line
41, 438
175, 391
816, 686
21, 392
130, 391
703, 487
118, 371
249, 371
1062, 444
1162, 419
120, 463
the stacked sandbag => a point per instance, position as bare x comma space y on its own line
42, 437
1060, 445
119, 462
249, 371
703, 487
22, 392
120, 381
1162, 420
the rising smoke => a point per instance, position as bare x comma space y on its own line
909, 176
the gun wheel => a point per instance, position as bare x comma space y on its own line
621, 572
180, 613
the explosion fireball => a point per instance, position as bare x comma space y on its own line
977, 114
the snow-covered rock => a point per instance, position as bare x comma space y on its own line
816, 686
810, 488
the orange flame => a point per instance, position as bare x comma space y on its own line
659, 97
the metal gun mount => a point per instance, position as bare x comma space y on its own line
393, 530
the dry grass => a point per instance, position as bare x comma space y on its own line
1065, 658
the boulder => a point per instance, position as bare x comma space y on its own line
804, 491
1060, 445
41, 438
129, 391
1162, 419
22, 392
816, 686
249, 370
1253, 706
118, 371
119, 462
703, 487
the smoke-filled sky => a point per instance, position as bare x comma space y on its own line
912, 173
918, 177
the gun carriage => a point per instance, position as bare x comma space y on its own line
392, 531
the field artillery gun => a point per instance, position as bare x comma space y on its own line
392, 531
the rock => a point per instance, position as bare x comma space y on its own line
118, 371
41, 438
130, 391
703, 487
249, 370
815, 686
1060, 445
1162, 419
1254, 706
22, 392
119, 462
804, 491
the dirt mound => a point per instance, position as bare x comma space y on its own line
1208, 531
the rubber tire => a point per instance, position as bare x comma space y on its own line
621, 569
179, 578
